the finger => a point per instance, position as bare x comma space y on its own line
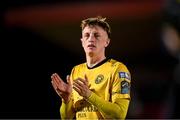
57, 79
56, 89
53, 79
78, 85
53, 76
54, 85
80, 81
68, 80
85, 76
59, 92
86, 79
77, 89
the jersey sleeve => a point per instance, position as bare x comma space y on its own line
117, 107
109, 110
121, 83
66, 110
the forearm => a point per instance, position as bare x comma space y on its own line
66, 110
117, 110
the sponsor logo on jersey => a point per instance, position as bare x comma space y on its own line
124, 75
125, 87
99, 79
81, 115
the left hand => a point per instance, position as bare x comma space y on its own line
81, 86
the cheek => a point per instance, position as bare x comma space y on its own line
102, 45
83, 44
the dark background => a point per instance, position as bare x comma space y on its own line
41, 37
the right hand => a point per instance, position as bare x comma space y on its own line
63, 89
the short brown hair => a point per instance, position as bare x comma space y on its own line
99, 21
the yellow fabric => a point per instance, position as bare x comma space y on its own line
66, 110
107, 99
109, 110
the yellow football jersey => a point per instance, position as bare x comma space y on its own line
110, 80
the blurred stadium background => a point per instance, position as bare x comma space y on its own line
40, 37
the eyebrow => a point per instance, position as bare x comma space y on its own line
95, 33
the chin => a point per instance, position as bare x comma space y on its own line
90, 54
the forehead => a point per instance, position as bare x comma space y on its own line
93, 28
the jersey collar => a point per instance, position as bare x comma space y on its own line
97, 65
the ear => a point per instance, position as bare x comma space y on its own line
107, 42
81, 41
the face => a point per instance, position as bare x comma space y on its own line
94, 40
171, 40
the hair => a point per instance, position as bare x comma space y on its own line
173, 20
99, 21
171, 14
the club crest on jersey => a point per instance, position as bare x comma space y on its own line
99, 79
125, 87
124, 75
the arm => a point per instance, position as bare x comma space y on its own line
64, 90
117, 110
118, 105
66, 110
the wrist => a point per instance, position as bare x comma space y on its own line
88, 94
66, 100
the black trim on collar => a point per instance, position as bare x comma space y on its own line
97, 65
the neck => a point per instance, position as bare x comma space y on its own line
94, 60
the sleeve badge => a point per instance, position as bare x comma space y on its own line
124, 75
125, 87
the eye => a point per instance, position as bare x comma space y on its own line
86, 36
96, 35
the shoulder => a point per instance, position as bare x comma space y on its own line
79, 66
120, 69
118, 65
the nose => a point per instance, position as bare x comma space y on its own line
91, 38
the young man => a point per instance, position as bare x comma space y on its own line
99, 88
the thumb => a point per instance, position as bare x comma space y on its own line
68, 79
86, 79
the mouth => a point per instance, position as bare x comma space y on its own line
91, 46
